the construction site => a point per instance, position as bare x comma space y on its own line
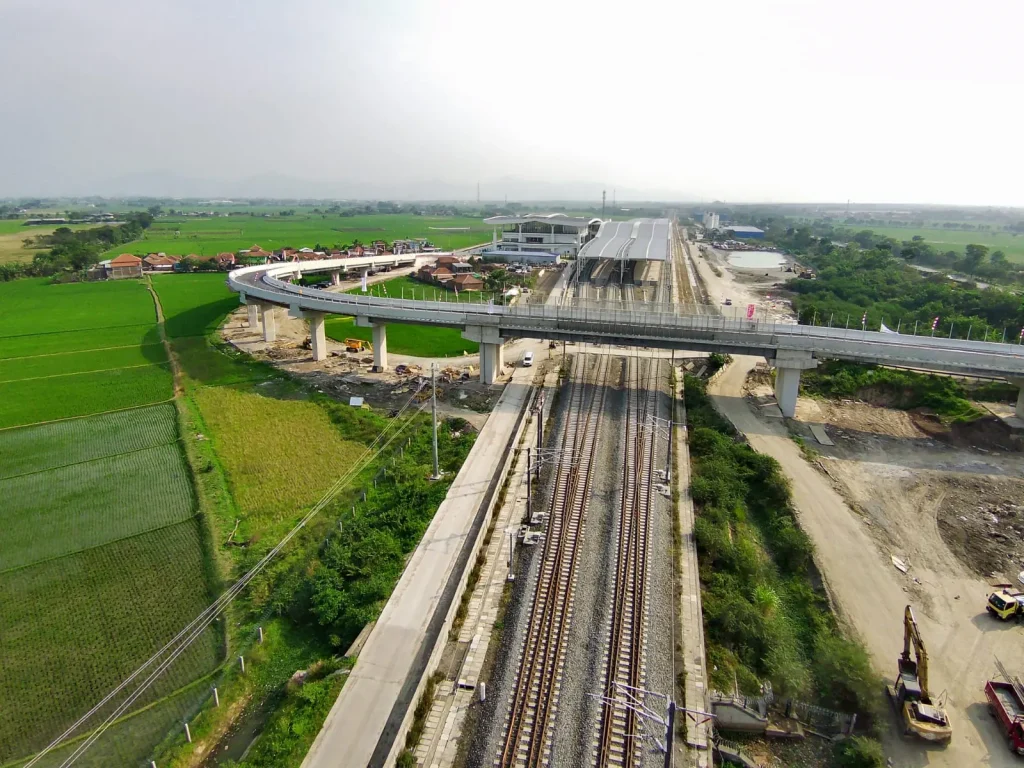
581, 642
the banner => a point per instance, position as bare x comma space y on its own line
886, 329
750, 311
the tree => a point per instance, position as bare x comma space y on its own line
974, 257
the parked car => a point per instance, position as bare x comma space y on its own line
527, 359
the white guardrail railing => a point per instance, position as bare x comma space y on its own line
670, 322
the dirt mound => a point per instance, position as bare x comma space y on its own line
981, 519
988, 432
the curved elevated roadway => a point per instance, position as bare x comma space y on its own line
790, 348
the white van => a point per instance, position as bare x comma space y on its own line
527, 359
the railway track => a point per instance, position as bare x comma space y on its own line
529, 727
618, 741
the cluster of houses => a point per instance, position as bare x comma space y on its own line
451, 273
127, 265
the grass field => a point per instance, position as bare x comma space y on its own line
279, 455
419, 340
956, 240
207, 237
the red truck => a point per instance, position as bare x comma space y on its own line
1006, 702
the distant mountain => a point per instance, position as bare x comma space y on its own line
163, 183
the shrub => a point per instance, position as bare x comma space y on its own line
858, 752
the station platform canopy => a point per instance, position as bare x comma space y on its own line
636, 240
555, 219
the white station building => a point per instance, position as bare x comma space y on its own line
549, 233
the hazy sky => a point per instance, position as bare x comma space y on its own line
877, 100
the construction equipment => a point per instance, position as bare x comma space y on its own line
1006, 703
921, 716
357, 345
1006, 604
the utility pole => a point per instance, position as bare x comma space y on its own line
433, 415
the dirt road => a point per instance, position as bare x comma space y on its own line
870, 593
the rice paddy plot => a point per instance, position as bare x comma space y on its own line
67, 363
59, 511
83, 394
60, 443
216, 365
130, 740
208, 236
76, 626
32, 344
34, 306
194, 304
279, 455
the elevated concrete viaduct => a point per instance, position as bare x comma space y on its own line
789, 348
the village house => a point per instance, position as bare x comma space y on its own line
120, 267
160, 262
225, 260
468, 283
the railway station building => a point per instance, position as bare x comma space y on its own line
542, 233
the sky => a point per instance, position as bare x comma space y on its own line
734, 100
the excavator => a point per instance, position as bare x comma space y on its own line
921, 716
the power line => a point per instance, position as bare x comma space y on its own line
198, 625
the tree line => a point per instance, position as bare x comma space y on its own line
75, 250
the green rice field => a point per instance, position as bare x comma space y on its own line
29, 345
102, 558
34, 306
62, 397
75, 626
61, 443
68, 363
59, 511
194, 304
207, 237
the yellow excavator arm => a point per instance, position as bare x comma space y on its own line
912, 636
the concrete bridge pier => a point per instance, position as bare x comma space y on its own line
269, 324
788, 363
1020, 396
336, 278
253, 312
380, 342
492, 354
317, 333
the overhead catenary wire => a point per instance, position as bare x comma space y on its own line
198, 625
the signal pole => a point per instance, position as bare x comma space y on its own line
433, 415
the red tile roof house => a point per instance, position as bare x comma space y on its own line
225, 260
468, 283
442, 275
124, 266
444, 261
160, 262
